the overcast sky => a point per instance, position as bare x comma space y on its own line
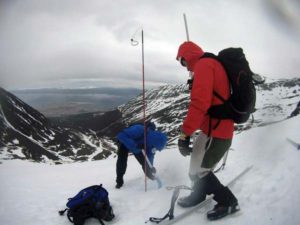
86, 43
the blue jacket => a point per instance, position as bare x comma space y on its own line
133, 139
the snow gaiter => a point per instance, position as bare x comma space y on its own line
222, 194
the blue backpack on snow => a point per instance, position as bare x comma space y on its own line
90, 202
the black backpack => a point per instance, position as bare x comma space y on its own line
241, 102
90, 202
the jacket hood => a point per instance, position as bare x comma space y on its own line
190, 52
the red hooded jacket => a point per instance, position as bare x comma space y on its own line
209, 76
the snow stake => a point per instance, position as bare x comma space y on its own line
135, 43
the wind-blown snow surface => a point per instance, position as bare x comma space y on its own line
32, 193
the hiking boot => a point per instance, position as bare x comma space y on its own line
226, 204
120, 182
220, 211
198, 194
191, 200
119, 185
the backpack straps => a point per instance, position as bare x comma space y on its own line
62, 212
210, 128
215, 57
219, 96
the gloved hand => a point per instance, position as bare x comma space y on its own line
153, 170
183, 144
151, 173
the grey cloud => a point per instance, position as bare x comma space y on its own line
54, 42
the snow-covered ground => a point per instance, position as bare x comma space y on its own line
32, 193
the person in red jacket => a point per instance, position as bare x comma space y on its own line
215, 135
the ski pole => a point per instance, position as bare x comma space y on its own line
295, 144
187, 38
186, 28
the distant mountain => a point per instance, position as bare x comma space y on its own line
167, 105
27, 134
57, 102
90, 136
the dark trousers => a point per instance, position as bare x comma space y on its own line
122, 164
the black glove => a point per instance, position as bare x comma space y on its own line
153, 170
151, 173
183, 144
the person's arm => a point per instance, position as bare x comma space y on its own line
201, 96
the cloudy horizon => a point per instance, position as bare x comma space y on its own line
77, 43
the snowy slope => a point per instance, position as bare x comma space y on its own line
168, 105
27, 134
32, 193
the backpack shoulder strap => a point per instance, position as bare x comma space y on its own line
213, 56
210, 55
219, 96
216, 94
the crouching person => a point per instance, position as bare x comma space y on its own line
131, 139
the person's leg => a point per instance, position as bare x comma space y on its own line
121, 165
207, 152
196, 174
226, 201
199, 150
214, 152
